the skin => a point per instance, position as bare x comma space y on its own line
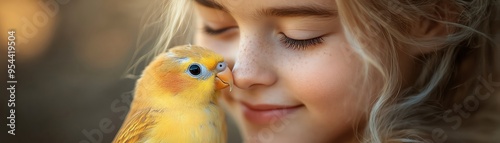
318, 79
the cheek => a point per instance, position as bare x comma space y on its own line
327, 84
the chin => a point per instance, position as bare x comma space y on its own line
269, 136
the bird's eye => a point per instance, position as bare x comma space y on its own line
221, 66
194, 69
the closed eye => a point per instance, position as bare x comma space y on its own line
297, 44
211, 31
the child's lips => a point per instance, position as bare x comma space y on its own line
267, 113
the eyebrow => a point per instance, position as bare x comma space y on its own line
290, 11
298, 11
211, 4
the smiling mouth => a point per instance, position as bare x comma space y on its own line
266, 113
268, 107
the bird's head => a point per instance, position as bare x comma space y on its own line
187, 72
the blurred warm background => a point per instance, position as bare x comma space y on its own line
70, 58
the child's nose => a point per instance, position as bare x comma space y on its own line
253, 66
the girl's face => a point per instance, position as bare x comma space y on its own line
294, 72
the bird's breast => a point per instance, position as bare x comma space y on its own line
203, 124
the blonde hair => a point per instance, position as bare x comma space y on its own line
161, 30
402, 115
397, 115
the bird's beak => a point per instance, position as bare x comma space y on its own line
223, 79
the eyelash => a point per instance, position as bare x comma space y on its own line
214, 32
289, 42
300, 44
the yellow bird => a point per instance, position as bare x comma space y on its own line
175, 99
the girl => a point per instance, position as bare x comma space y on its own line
349, 70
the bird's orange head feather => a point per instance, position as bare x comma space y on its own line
185, 72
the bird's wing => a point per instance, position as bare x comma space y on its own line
135, 126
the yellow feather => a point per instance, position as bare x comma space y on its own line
171, 106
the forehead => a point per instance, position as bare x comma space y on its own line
288, 8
